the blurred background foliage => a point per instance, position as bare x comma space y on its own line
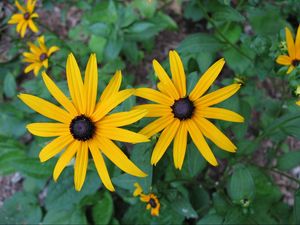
257, 185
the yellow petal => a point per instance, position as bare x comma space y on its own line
157, 125
119, 134
91, 84
54, 147
19, 26
220, 114
45, 63
34, 49
20, 7
75, 84
290, 43
165, 79
138, 190
30, 67
113, 86
16, 18
109, 104
218, 96
81, 163
34, 15
114, 154
164, 141
29, 55
207, 79
200, 143
52, 50
32, 26
290, 69
178, 74
48, 129
41, 41
297, 44
215, 135
23, 29
65, 159
37, 68
298, 102
46, 108
179, 147
154, 96
101, 167
59, 95
31, 5
155, 110
284, 60
122, 118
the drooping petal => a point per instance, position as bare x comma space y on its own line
101, 167
109, 104
21, 8
164, 141
290, 43
46, 108
81, 163
122, 118
23, 29
165, 79
114, 154
65, 159
179, 147
19, 26
200, 142
154, 96
48, 129
178, 75
54, 147
30, 67
75, 83
113, 86
218, 95
220, 114
45, 63
155, 110
37, 68
297, 44
32, 26
290, 69
91, 84
119, 134
215, 135
59, 95
52, 50
207, 79
157, 125
284, 60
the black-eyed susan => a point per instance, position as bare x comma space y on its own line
38, 56
25, 18
181, 113
151, 200
84, 126
293, 58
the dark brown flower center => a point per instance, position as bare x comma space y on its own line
183, 108
152, 202
26, 15
82, 128
43, 56
296, 62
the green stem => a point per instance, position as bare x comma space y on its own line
285, 174
207, 17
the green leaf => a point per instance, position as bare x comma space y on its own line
10, 86
146, 8
296, 211
288, 160
228, 14
220, 203
241, 188
210, 219
112, 49
103, 210
183, 207
100, 29
73, 216
97, 44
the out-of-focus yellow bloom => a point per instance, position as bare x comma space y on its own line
298, 102
25, 18
38, 56
293, 58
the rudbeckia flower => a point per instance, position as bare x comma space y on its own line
38, 56
151, 200
84, 126
293, 58
25, 17
181, 113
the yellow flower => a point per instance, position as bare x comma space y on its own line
298, 102
38, 56
84, 126
293, 58
181, 113
25, 18
152, 203
151, 199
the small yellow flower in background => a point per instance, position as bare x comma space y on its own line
38, 56
298, 102
151, 200
181, 113
25, 18
83, 125
293, 58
